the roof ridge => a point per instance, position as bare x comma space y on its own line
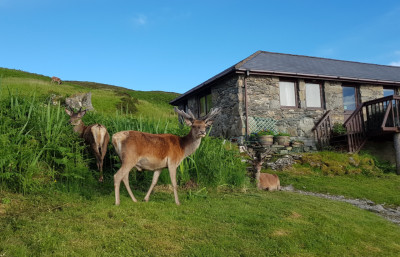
331, 59
244, 61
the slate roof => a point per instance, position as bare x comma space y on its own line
306, 66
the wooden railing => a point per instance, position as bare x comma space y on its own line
323, 130
372, 118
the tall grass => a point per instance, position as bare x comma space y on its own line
37, 148
216, 162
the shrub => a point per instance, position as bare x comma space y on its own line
266, 132
339, 129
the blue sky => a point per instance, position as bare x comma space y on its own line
178, 44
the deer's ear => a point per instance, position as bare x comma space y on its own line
188, 122
81, 114
209, 123
68, 112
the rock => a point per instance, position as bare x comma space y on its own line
77, 101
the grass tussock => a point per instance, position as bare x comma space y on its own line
335, 163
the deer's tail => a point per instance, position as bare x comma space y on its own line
100, 133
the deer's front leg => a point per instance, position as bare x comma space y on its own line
172, 174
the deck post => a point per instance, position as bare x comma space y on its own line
396, 141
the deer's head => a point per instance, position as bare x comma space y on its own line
75, 117
198, 125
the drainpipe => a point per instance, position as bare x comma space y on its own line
245, 103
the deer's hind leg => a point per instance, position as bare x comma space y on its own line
153, 183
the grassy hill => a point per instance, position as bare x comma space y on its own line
52, 205
105, 98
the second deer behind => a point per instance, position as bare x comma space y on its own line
96, 137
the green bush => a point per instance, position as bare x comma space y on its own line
339, 129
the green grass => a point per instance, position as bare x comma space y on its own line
60, 209
384, 189
222, 224
359, 176
105, 98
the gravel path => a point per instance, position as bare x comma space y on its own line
390, 214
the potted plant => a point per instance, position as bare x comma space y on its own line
283, 139
266, 137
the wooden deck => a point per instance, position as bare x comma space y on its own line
371, 118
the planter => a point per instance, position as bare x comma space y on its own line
266, 140
283, 140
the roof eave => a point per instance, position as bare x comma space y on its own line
203, 85
317, 76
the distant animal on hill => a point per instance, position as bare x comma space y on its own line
154, 152
55, 79
96, 137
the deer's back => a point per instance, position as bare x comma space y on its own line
269, 182
151, 147
95, 133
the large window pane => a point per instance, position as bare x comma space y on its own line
349, 98
388, 91
287, 93
313, 95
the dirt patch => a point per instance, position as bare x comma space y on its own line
280, 232
390, 214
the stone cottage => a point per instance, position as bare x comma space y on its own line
287, 93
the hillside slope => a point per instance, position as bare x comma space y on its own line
105, 98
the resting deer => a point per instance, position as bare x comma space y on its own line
265, 181
95, 136
153, 152
55, 79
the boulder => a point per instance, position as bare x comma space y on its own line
82, 100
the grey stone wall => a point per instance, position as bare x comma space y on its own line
334, 100
263, 101
370, 92
228, 96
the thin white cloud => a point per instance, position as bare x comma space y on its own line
395, 63
140, 20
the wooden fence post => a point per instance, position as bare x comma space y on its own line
396, 140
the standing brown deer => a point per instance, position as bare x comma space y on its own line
55, 79
154, 152
265, 181
95, 136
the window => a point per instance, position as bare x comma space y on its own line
388, 91
349, 98
287, 92
313, 95
205, 104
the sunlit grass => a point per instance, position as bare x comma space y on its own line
223, 224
